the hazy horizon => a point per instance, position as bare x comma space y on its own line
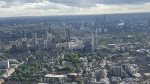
12, 8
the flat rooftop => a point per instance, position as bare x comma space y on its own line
54, 76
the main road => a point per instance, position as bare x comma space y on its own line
11, 71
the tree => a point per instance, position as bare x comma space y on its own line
60, 61
67, 68
18, 70
69, 80
110, 73
78, 80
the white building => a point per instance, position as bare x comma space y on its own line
79, 44
132, 68
50, 78
72, 45
4, 65
105, 30
76, 45
63, 45
100, 30
102, 81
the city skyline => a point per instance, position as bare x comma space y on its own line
11, 8
75, 49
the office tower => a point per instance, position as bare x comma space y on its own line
105, 30
23, 34
82, 26
102, 21
117, 71
14, 48
97, 32
87, 44
98, 21
102, 74
79, 44
4, 65
48, 40
24, 43
100, 30
105, 21
149, 22
53, 44
45, 44
92, 23
67, 34
48, 36
97, 75
128, 25
40, 44
34, 39
94, 41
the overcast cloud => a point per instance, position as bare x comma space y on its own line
70, 7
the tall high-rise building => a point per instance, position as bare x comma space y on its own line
97, 75
100, 30
92, 23
87, 44
48, 36
24, 46
50, 41
94, 41
45, 46
14, 48
53, 44
149, 22
102, 21
117, 70
102, 74
67, 34
98, 21
40, 44
97, 31
34, 39
24, 43
23, 34
105, 30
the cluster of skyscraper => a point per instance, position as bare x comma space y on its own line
48, 42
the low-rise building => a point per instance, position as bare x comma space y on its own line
132, 68
72, 76
4, 64
51, 78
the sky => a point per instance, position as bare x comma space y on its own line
10, 8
